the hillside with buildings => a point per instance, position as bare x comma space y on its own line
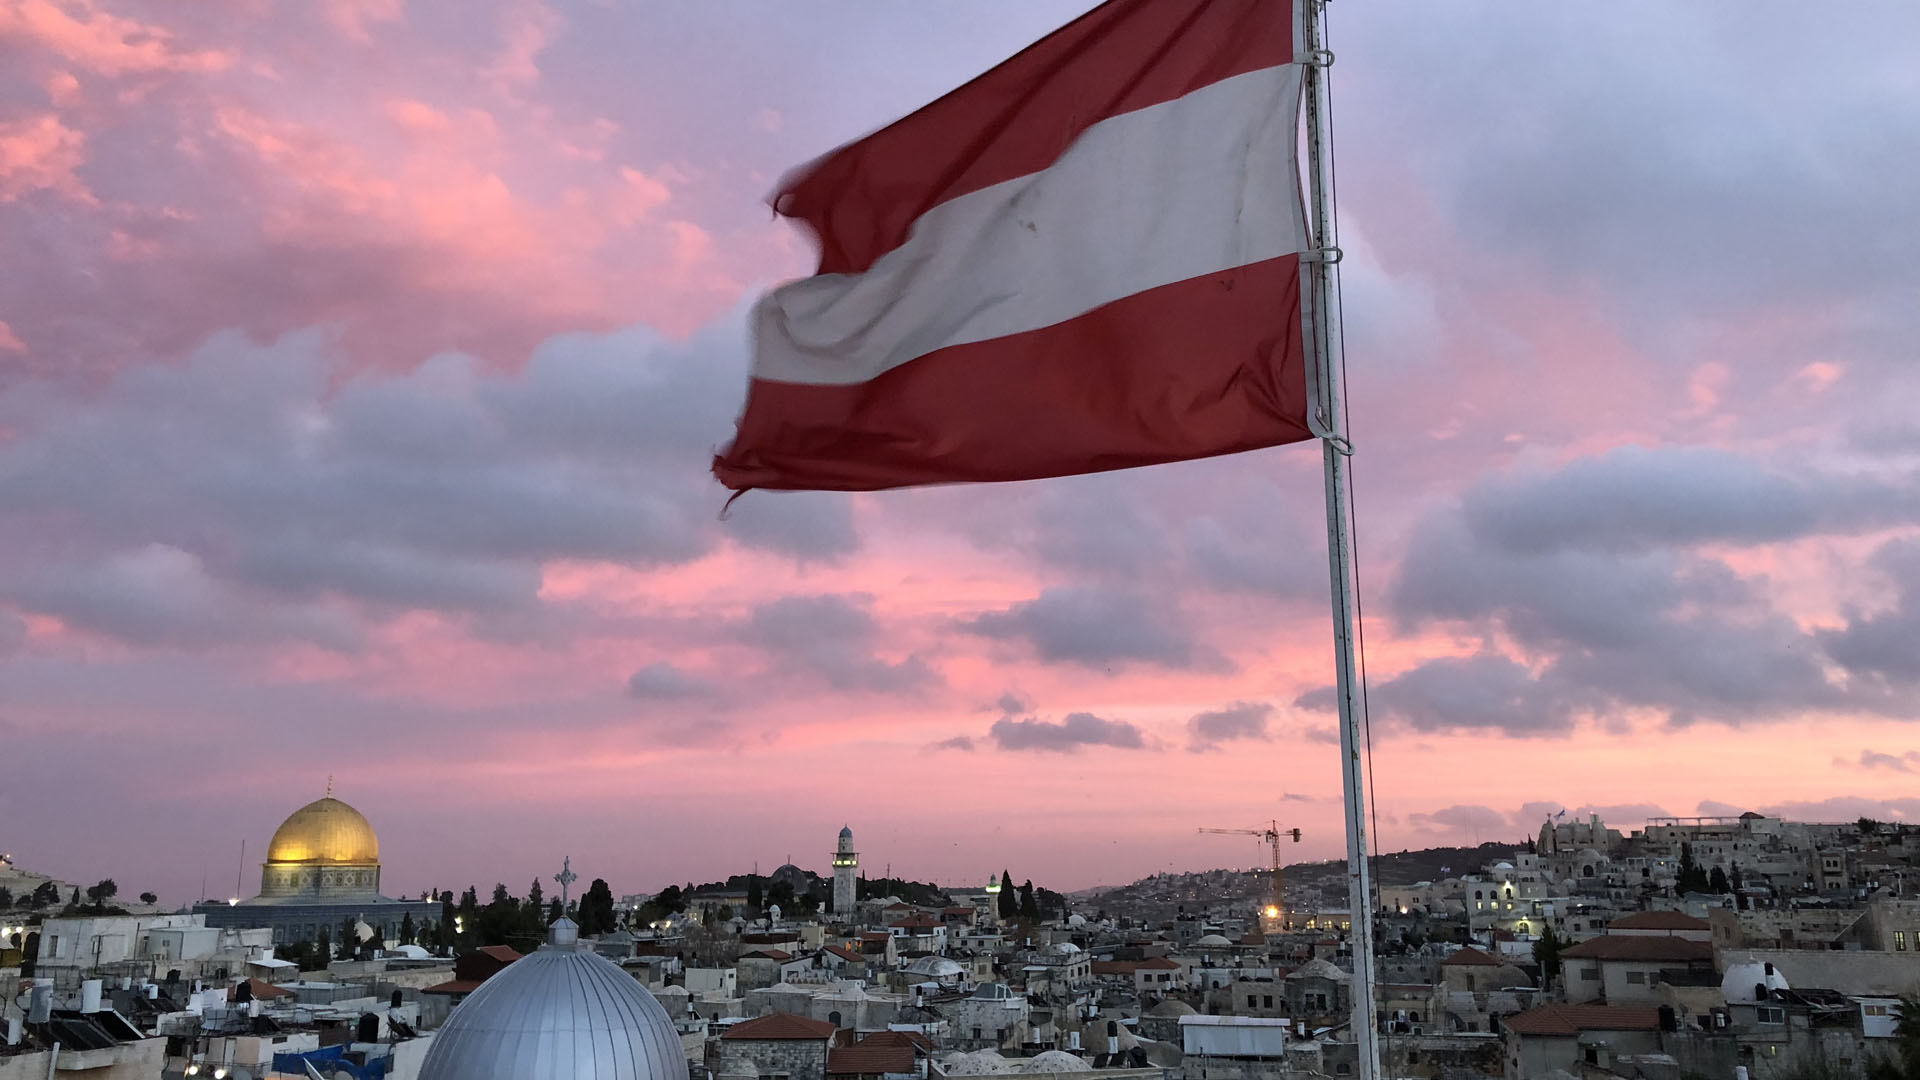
1693, 947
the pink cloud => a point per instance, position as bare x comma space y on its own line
351, 17
10, 341
42, 154
80, 33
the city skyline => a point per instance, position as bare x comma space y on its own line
358, 425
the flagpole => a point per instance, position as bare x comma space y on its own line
1323, 319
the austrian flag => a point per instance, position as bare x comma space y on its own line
1087, 258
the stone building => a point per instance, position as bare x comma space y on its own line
775, 1045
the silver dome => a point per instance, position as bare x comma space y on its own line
561, 1013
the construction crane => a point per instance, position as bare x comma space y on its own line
1276, 909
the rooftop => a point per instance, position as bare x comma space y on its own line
1651, 949
781, 1026
1574, 1019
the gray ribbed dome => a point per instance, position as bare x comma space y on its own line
562, 1013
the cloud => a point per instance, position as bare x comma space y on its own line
833, 639
1238, 721
1075, 731
1874, 759
962, 743
1010, 703
1716, 808
1612, 629
1843, 808
272, 475
1484, 691
13, 633
663, 679
1098, 627
1884, 648
1468, 819
1635, 498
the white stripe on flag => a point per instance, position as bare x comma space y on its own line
1201, 184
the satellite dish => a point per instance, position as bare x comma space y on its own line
1164, 1055
239, 1074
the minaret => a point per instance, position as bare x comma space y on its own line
845, 862
993, 901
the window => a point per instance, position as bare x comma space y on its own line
1771, 1014
1589, 974
976, 1033
1343, 1069
1251, 1002
1875, 1010
1899, 941
1637, 978
1268, 1001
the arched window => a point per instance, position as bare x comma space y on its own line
834, 1018
1477, 895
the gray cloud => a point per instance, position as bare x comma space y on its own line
1634, 498
1010, 703
962, 743
1716, 808
1841, 808
1885, 647
664, 680
1622, 621
1472, 819
1096, 627
444, 488
1874, 759
833, 639
1075, 731
13, 633
1238, 721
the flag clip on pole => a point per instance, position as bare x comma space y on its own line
1322, 322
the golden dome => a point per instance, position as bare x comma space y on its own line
324, 831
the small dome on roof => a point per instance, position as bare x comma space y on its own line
1213, 941
1063, 948
936, 967
1740, 981
1076, 921
1320, 969
993, 992
1056, 1061
978, 1063
1172, 1007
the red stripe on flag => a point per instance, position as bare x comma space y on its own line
1210, 365
1018, 118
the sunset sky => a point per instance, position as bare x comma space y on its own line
361, 362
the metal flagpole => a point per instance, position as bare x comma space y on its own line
1323, 328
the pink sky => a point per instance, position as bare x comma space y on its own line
360, 362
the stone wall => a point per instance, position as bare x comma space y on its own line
799, 1059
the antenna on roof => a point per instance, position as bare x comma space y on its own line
329, 785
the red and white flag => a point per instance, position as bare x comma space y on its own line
1087, 258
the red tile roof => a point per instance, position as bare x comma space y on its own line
262, 991
899, 1038
845, 953
1574, 1019
453, 986
767, 954
867, 1059
503, 953
1659, 920
1471, 957
781, 1026
1634, 947
920, 922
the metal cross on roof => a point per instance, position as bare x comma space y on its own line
565, 877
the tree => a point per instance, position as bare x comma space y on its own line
349, 941
323, 947
755, 896
74, 900
98, 894
1546, 953
554, 911
407, 930
46, 894
1868, 826
1029, 909
1692, 878
596, 909
6, 896
1717, 882
1009, 900
1904, 1064
149, 898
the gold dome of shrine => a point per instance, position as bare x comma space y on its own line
324, 831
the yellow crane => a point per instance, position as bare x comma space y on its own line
1276, 909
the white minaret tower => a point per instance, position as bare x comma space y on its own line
845, 862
